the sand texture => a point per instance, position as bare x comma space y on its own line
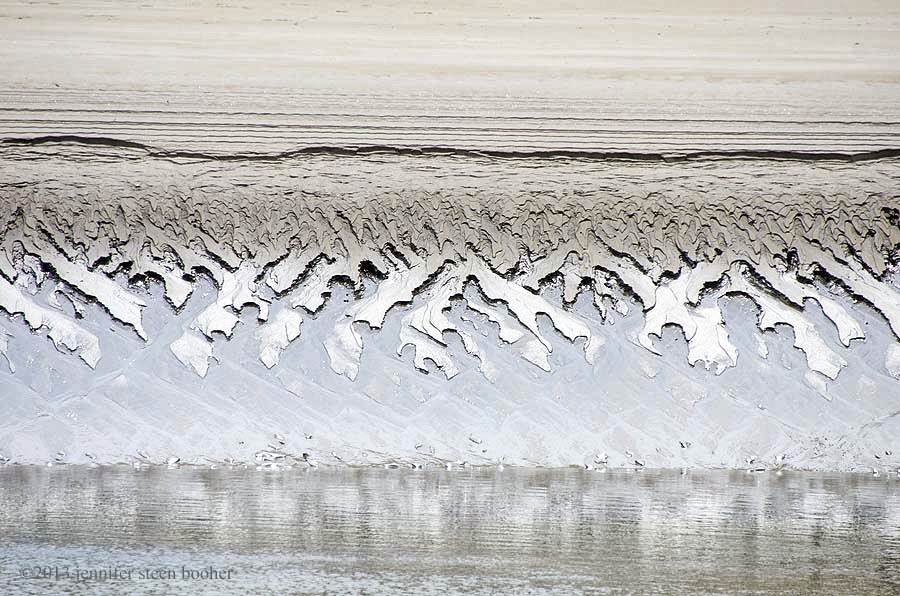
455, 233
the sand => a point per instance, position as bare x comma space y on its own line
451, 233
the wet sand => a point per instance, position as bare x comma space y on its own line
672, 224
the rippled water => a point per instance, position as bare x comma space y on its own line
365, 531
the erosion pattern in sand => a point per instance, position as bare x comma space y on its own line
575, 233
532, 282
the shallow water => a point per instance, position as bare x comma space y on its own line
475, 531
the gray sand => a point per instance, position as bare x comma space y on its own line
456, 233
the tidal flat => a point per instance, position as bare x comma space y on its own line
158, 530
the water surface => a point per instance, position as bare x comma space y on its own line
474, 531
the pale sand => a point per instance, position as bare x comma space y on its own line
565, 302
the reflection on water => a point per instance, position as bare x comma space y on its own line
364, 531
